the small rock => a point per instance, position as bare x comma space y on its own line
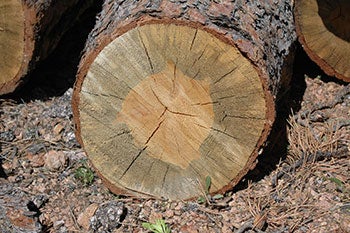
35, 148
16, 178
12, 179
189, 229
7, 136
55, 160
69, 139
7, 166
58, 128
58, 224
15, 162
75, 156
84, 217
179, 206
154, 216
5, 188
36, 160
29, 213
169, 214
19, 220
108, 217
39, 200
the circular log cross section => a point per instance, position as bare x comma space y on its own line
323, 27
11, 39
163, 106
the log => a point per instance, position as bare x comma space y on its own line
323, 28
29, 31
171, 92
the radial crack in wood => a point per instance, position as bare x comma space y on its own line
174, 135
170, 92
176, 79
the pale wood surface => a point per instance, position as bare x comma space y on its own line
242, 85
11, 39
324, 30
164, 106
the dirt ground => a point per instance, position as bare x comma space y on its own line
301, 183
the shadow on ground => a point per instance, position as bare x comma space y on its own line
2, 172
276, 149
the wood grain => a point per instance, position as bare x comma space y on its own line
323, 27
169, 92
11, 39
166, 98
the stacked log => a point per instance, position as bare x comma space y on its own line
171, 92
29, 31
323, 28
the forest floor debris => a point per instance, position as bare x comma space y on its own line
308, 191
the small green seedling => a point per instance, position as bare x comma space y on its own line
207, 184
217, 196
339, 183
336, 181
202, 199
158, 227
84, 174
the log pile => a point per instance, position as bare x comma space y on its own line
323, 28
171, 92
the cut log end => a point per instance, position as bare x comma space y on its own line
29, 31
170, 115
323, 27
11, 40
163, 106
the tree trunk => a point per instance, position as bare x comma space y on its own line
29, 31
168, 93
323, 28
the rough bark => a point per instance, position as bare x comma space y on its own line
260, 32
323, 28
29, 31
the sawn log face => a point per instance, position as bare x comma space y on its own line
139, 78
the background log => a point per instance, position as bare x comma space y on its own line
169, 93
323, 28
29, 31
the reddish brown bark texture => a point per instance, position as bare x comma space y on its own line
262, 30
45, 23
